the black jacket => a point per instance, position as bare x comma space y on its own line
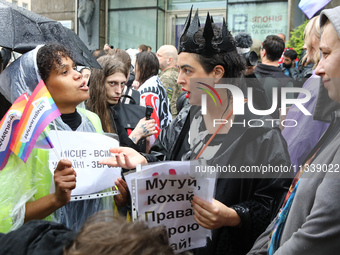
255, 199
36, 238
272, 77
118, 124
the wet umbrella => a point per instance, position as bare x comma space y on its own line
22, 30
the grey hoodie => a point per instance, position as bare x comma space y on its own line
312, 224
325, 106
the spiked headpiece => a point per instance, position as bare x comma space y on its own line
209, 48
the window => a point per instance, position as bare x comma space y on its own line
186, 4
142, 28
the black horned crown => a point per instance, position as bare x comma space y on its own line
209, 48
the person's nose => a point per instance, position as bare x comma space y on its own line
77, 75
181, 79
119, 89
320, 68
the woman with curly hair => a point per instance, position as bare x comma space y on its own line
30, 197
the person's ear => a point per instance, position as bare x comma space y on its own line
218, 72
170, 59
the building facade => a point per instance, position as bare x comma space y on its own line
129, 23
22, 3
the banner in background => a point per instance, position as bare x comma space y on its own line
310, 7
258, 19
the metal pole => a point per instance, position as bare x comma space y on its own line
290, 15
76, 16
226, 16
106, 22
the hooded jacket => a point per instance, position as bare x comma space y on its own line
22, 183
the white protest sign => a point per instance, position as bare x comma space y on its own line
163, 194
85, 150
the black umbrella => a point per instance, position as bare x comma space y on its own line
22, 30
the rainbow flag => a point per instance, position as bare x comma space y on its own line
44, 141
7, 127
38, 113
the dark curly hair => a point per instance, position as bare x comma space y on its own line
49, 56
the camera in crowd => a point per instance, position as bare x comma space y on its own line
250, 57
243, 43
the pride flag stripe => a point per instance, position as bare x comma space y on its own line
39, 112
7, 127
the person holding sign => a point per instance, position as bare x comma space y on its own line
26, 187
244, 204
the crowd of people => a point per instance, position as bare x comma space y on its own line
294, 213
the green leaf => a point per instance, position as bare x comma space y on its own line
296, 40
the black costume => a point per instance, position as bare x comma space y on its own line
255, 200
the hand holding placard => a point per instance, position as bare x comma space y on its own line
64, 181
122, 198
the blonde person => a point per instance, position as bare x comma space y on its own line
307, 131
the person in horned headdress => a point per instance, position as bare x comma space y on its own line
243, 206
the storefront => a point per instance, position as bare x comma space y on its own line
158, 22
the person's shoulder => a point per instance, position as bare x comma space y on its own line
170, 72
263, 126
93, 117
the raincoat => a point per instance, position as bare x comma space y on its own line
22, 183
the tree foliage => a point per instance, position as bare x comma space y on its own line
296, 40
